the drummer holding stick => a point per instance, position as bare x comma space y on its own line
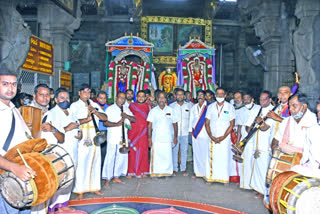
13, 131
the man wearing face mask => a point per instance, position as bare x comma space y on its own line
249, 113
220, 119
88, 173
64, 130
291, 136
116, 163
261, 147
138, 163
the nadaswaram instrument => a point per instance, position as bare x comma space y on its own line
240, 148
124, 149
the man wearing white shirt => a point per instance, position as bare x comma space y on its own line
9, 113
262, 146
41, 97
162, 136
61, 128
129, 97
249, 113
220, 119
291, 136
183, 113
235, 166
116, 164
88, 173
200, 138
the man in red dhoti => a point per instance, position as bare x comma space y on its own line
138, 156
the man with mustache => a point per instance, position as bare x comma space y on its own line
220, 119
162, 136
9, 113
138, 163
183, 110
88, 174
61, 128
200, 138
116, 164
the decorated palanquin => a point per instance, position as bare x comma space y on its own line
122, 74
143, 76
196, 67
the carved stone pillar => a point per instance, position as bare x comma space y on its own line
57, 27
14, 37
306, 40
270, 22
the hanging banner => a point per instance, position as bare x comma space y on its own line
40, 57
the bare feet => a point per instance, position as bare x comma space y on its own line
106, 184
258, 195
79, 197
66, 209
144, 176
129, 176
98, 193
184, 173
117, 180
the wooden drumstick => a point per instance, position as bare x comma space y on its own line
24, 161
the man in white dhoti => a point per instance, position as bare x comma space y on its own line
11, 120
88, 173
236, 166
200, 138
262, 146
60, 121
116, 163
220, 119
249, 114
183, 112
162, 136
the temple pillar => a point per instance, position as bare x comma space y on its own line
306, 41
57, 27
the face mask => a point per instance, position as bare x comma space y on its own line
102, 105
220, 99
239, 104
26, 102
298, 115
64, 105
249, 105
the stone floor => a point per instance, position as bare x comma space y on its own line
187, 189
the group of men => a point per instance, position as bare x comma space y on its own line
165, 130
